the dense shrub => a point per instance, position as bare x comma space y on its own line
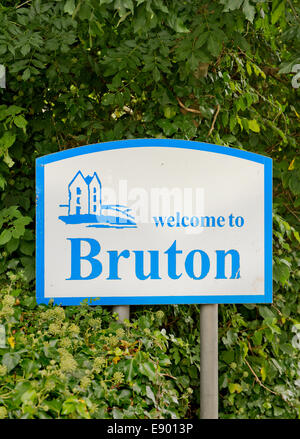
81, 72
80, 362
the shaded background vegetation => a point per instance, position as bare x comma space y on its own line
81, 72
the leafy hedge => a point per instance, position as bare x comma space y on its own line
81, 362
81, 72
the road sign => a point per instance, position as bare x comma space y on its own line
154, 221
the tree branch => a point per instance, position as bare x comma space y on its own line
258, 380
190, 110
22, 4
214, 120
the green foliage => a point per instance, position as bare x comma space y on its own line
81, 72
259, 363
13, 235
79, 362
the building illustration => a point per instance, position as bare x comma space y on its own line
84, 195
85, 205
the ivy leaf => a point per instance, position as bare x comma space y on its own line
20, 122
8, 160
235, 388
294, 183
27, 248
168, 127
19, 226
249, 11
177, 24
257, 338
69, 406
122, 5
25, 49
3, 49
117, 413
263, 373
266, 313
150, 394
214, 45
11, 360
169, 112
281, 273
201, 40
287, 66
227, 356
12, 245
231, 338
84, 11
160, 5
26, 74
54, 405
156, 74
29, 267
148, 369
231, 5
130, 369
7, 140
29, 366
29, 395
69, 7
253, 126
164, 360
5, 236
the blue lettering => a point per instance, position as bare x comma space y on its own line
172, 252
183, 223
208, 221
239, 222
189, 264
76, 258
197, 262
170, 221
114, 257
177, 219
160, 220
194, 221
154, 265
221, 221
235, 264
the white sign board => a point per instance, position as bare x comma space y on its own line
154, 221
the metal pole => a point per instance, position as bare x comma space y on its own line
123, 311
209, 361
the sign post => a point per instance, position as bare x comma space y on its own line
209, 362
123, 311
156, 221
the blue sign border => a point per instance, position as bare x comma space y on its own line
154, 300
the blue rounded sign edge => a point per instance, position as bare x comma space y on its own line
154, 300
